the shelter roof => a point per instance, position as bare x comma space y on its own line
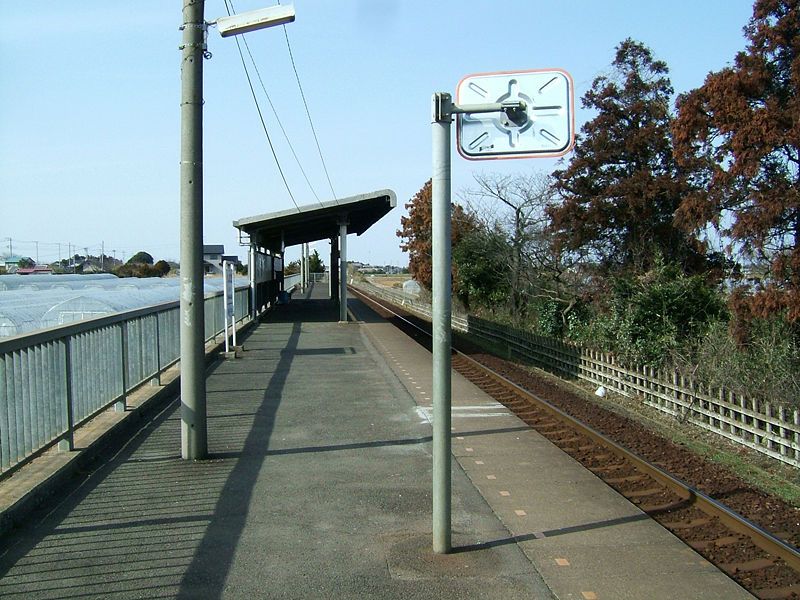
319, 221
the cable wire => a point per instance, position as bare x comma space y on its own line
308, 113
280, 124
261, 116
272, 106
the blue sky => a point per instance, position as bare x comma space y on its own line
90, 116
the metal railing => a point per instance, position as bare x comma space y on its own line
54, 380
289, 281
292, 280
768, 429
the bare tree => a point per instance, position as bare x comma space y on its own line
517, 204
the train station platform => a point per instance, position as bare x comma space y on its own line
318, 485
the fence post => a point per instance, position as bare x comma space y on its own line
782, 431
796, 436
121, 404
767, 440
67, 443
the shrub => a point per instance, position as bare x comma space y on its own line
650, 317
766, 366
140, 258
483, 271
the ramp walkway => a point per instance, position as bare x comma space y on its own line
318, 486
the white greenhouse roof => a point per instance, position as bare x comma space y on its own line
32, 302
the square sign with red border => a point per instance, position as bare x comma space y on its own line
546, 127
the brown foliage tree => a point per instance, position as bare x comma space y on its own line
621, 187
738, 135
416, 234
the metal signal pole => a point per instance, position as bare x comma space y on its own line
441, 313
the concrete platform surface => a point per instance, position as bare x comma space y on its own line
318, 486
585, 540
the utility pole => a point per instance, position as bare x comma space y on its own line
194, 441
102, 256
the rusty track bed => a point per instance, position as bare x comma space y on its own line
679, 506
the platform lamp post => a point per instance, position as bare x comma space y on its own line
194, 444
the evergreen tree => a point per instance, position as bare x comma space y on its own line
621, 188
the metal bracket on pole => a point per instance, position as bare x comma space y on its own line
516, 110
442, 107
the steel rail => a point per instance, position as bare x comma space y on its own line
734, 521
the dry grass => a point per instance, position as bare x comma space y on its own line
388, 281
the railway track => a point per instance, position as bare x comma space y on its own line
765, 562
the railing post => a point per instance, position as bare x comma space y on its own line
67, 443
121, 404
158, 348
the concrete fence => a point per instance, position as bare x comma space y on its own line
54, 380
770, 429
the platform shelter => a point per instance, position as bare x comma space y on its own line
270, 234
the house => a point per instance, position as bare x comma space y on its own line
36, 270
212, 258
11, 262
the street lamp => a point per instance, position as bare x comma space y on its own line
255, 19
194, 440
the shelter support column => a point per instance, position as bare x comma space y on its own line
301, 272
281, 282
343, 270
302, 267
308, 264
251, 270
333, 279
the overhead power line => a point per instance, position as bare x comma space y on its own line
277, 118
260, 114
308, 113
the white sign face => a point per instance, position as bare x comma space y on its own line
544, 129
228, 289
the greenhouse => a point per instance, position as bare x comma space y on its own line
33, 302
49, 281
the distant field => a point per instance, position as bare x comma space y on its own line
389, 281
